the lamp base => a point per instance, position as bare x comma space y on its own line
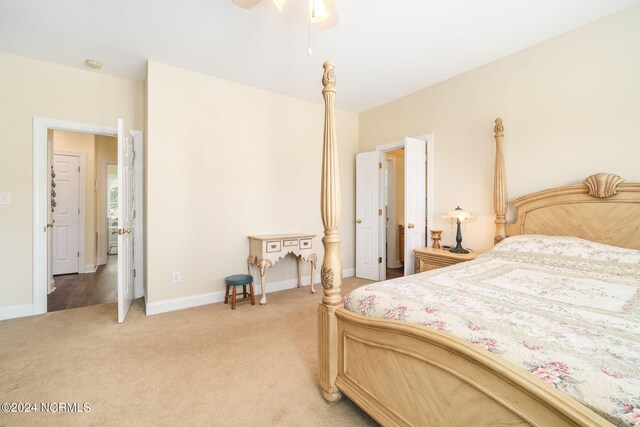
459, 250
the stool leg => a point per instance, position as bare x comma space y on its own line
233, 299
253, 298
244, 291
226, 296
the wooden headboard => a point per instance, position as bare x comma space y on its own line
603, 208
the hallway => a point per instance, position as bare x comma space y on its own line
81, 290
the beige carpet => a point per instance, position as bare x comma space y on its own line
202, 366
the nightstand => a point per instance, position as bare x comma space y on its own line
430, 258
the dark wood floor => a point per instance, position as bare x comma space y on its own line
81, 290
392, 273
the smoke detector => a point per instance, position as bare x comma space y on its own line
93, 63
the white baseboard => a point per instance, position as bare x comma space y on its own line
173, 304
394, 264
348, 272
190, 301
15, 311
90, 268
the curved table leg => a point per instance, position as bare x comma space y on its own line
312, 260
298, 259
263, 264
251, 261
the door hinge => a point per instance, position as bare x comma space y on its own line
134, 214
78, 168
379, 260
379, 212
379, 165
78, 211
78, 254
134, 272
133, 157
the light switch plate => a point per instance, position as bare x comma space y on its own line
5, 198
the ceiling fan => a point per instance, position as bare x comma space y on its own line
321, 12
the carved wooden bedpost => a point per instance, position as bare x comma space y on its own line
331, 271
500, 202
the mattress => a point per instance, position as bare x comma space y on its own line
564, 309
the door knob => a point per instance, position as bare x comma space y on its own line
410, 225
358, 221
126, 231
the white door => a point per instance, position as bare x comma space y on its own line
66, 225
125, 220
370, 263
415, 170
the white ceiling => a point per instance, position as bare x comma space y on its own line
383, 49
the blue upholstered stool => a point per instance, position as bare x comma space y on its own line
239, 280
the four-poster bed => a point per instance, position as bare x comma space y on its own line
406, 374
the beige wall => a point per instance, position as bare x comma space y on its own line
571, 107
226, 161
83, 143
31, 88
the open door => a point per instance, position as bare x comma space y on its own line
414, 200
126, 215
370, 257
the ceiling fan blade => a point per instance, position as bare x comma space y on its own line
332, 20
279, 3
246, 4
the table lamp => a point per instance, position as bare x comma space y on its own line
459, 215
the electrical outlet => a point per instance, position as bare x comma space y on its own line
5, 198
176, 277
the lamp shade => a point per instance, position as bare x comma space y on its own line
318, 11
458, 214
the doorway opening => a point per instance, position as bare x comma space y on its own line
394, 208
80, 273
71, 169
392, 222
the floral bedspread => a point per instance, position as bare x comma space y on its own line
566, 310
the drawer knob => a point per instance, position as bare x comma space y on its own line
305, 243
273, 246
410, 226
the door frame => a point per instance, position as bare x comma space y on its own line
430, 194
41, 177
82, 204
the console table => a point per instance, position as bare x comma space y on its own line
266, 251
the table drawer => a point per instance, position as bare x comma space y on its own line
422, 266
290, 242
274, 246
306, 243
